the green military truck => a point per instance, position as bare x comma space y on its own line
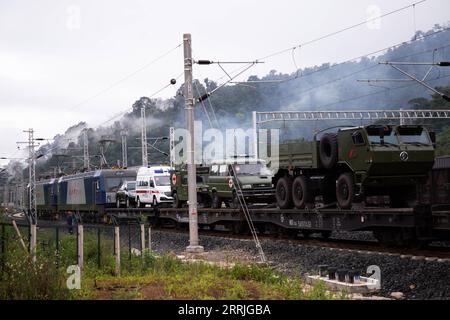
347, 166
240, 177
179, 187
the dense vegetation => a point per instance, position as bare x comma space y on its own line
152, 277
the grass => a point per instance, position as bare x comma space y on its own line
149, 277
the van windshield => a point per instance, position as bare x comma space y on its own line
162, 180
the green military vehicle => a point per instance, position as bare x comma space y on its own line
242, 177
179, 187
355, 163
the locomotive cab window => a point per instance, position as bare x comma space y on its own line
358, 138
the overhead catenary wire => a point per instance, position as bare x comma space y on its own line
125, 78
340, 31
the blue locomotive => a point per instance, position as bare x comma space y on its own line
87, 193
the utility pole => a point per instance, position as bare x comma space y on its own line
171, 145
192, 180
32, 212
123, 134
86, 150
144, 139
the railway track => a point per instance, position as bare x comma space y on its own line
431, 252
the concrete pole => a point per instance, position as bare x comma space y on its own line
192, 181
142, 239
124, 148
117, 249
80, 246
144, 138
255, 136
33, 233
86, 150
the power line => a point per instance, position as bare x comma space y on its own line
413, 5
380, 91
360, 71
124, 78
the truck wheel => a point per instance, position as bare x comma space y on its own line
345, 190
216, 203
127, 203
301, 192
284, 193
328, 150
176, 201
117, 203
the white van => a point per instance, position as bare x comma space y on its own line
153, 186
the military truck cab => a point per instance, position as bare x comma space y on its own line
353, 164
179, 186
239, 178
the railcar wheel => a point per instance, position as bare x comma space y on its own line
325, 234
301, 192
345, 190
283, 193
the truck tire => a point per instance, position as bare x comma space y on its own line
284, 193
301, 192
176, 201
328, 150
345, 190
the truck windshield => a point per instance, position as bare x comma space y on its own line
251, 169
387, 135
413, 135
162, 180
131, 185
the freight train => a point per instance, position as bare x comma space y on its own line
376, 172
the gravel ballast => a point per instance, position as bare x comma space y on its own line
415, 278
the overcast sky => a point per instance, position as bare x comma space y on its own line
59, 59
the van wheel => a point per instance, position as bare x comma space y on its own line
176, 201
284, 193
216, 203
301, 192
154, 202
345, 190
